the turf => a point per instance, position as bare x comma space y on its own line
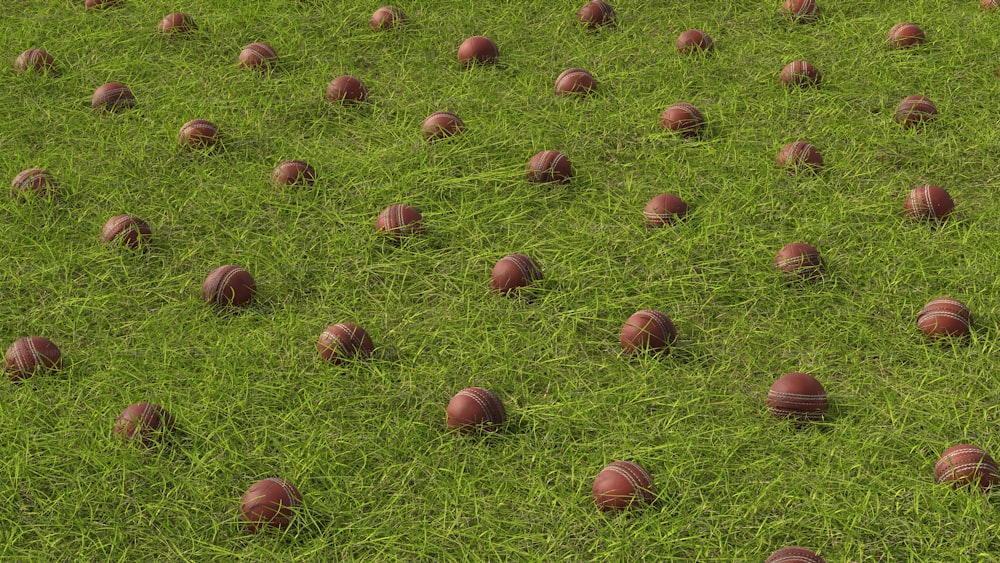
365, 443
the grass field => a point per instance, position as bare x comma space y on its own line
366, 442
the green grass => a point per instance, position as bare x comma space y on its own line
365, 443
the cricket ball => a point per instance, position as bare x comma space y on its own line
344, 341
478, 50
440, 125
126, 230
943, 317
575, 81
989, 5
30, 355
799, 73
346, 90
113, 96
794, 554
799, 259
904, 35
399, 221
514, 271
798, 396
693, 41
33, 60
144, 424
647, 330
596, 14
177, 23
100, 4
928, 202
270, 503
33, 182
257, 56
684, 119
663, 209
386, 18
621, 485
915, 109
475, 409
801, 10
292, 172
966, 464
549, 166
228, 285
799, 156
198, 133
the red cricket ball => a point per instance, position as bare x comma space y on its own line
344, 341
799, 259
198, 133
798, 396
799, 73
514, 271
596, 14
30, 355
966, 464
113, 96
440, 125
144, 424
621, 485
944, 317
399, 221
794, 554
33, 182
575, 81
683, 118
292, 172
915, 109
647, 331
386, 18
177, 23
801, 10
228, 285
663, 209
271, 503
478, 50
928, 202
549, 166
127, 230
258, 56
799, 156
904, 35
693, 41
346, 90
475, 409
36, 60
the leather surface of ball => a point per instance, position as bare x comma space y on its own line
126, 230
386, 18
664, 209
799, 156
621, 485
915, 109
399, 221
33, 60
944, 317
478, 49
198, 134
515, 271
800, 73
113, 96
596, 14
269, 503
801, 10
293, 172
693, 41
31, 355
798, 396
441, 125
144, 424
928, 202
549, 166
176, 23
475, 409
228, 286
258, 56
347, 90
794, 554
647, 331
966, 464
575, 81
344, 341
33, 182
683, 118
905, 34
799, 259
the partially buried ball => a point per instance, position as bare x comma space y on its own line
113, 96
801, 10
228, 286
799, 156
475, 409
33, 60
683, 118
694, 41
798, 396
478, 49
794, 554
621, 485
944, 317
549, 166
144, 424
990, 5
31, 355
346, 90
293, 172
258, 56
33, 182
928, 202
915, 109
575, 81
514, 271
177, 23
344, 341
904, 35
664, 209
198, 134
386, 18
440, 125
647, 331
269, 503
799, 260
399, 221
596, 14
799, 73
126, 230
966, 464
